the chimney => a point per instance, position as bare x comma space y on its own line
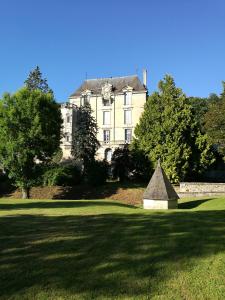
145, 77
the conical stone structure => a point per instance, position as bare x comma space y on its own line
160, 193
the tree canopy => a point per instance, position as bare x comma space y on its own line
168, 130
30, 124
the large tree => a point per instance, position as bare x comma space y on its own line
36, 82
84, 139
168, 130
201, 106
214, 121
30, 124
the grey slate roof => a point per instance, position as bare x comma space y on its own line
118, 83
159, 187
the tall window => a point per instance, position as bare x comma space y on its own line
106, 117
68, 119
106, 136
127, 98
128, 135
127, 116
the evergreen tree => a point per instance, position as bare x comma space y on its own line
169, 131
84, 139
36, 82
30, 124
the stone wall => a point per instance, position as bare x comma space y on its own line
202, 187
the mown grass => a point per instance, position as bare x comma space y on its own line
95, 249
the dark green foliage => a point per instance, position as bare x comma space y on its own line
214, 121
168, 130
61, 175
30, 124
200, 107
141, 166
36, 82
97, 172
85, 143
130, 163
121, 163
57, 157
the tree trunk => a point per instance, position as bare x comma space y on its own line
25, 193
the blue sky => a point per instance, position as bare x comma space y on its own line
71, 38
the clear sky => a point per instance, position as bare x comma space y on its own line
72, 39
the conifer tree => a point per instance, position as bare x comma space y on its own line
36, 82
168, 130
84, 139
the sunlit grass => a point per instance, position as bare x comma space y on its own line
98, 249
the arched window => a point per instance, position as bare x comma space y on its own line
108, 154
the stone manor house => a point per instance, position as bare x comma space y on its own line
117, 104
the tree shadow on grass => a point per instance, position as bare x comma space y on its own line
103, 256
61, 204
193, 203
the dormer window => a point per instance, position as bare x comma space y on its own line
106, 94
85, 98
127, 95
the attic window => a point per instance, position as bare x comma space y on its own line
85, 99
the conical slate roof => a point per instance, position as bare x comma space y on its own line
159, 187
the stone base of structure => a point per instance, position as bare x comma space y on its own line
159, 204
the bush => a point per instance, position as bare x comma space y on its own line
121, 163
131, 163
97, 173
61, 175
141, 166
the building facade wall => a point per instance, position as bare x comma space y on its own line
117, 123
68, 112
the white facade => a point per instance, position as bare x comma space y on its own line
117, 104
68, 112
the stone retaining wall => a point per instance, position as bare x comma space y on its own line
202, 187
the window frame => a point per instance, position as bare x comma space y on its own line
104, 119
126, 122
126, 135
106, 135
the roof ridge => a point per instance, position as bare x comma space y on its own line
101, 78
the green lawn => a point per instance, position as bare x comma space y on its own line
107, 250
